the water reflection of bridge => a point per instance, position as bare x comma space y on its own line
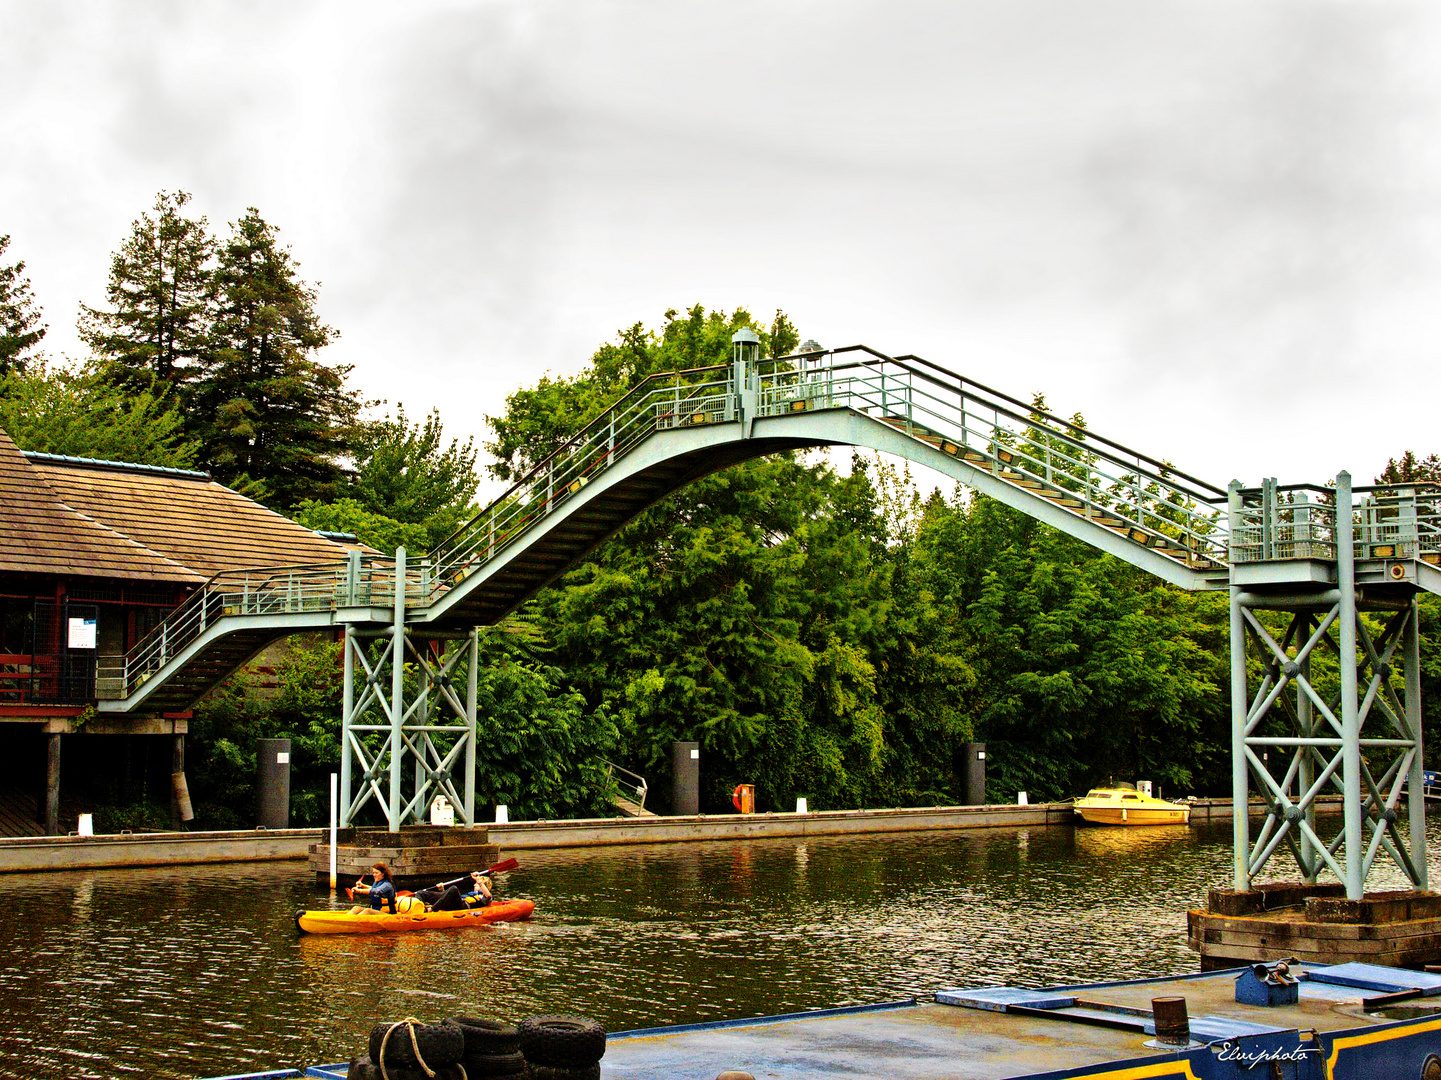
1339, 566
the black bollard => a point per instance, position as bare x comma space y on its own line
685, 790
1173, 1025
975, 773
272, 784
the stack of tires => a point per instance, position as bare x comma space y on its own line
411, 1050
562, 1047
472, 1048
492, 1048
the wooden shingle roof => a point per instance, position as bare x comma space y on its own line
186, 517
41, 535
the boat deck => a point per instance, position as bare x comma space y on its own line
1100, 1030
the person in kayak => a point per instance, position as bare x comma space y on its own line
449, 898
381, 890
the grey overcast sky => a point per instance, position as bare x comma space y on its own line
1211, 227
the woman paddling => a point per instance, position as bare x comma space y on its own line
381, 890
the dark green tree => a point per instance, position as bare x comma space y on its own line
1410, 469
265, 407
157, 319
539, 419
21, 325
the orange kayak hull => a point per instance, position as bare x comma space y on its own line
376, 922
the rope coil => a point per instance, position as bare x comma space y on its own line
409, 1024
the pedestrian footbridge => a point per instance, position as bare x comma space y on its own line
676, 427
1340, 566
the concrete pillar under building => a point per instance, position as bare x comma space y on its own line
180, 810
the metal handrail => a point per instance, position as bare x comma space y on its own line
633, 782
1095, 478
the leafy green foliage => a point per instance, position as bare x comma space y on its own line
746, 613
541, 749
79, 412
385, 534
538, 420
21, 328
407, 473
1085, 669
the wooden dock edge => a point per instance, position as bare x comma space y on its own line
43, 854
1317, 924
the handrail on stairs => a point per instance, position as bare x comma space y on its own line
632, 782
1056, 460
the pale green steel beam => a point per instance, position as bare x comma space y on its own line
1350, 711
397, 692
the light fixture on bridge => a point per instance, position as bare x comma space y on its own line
745, 346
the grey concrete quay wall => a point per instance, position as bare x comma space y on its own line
38, 854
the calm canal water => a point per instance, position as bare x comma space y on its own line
200, 971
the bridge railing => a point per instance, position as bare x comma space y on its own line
260, 591
659, 403
1057, 459
1298, 521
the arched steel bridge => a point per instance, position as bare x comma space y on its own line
1273, 547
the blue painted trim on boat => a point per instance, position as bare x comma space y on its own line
276, 1074
1160, 978
717, 1025
329, 1072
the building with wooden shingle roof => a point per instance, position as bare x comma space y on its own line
93, 554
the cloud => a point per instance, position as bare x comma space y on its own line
1147, 208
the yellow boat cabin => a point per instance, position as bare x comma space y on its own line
1122, 804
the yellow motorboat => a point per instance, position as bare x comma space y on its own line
1122, 804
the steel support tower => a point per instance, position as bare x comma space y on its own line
1325, 682
402, 706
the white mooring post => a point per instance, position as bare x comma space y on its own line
334, 781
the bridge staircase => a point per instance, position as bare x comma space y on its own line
628, 791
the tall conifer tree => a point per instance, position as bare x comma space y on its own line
267, 409
157, 319
21, 328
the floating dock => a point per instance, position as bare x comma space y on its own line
1348, 1022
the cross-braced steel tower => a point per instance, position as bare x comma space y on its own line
1327, 698
408, 709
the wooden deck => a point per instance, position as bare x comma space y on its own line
17, 814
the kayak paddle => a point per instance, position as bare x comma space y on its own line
499, 868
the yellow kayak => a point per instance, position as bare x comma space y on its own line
379, 922
1122, 804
